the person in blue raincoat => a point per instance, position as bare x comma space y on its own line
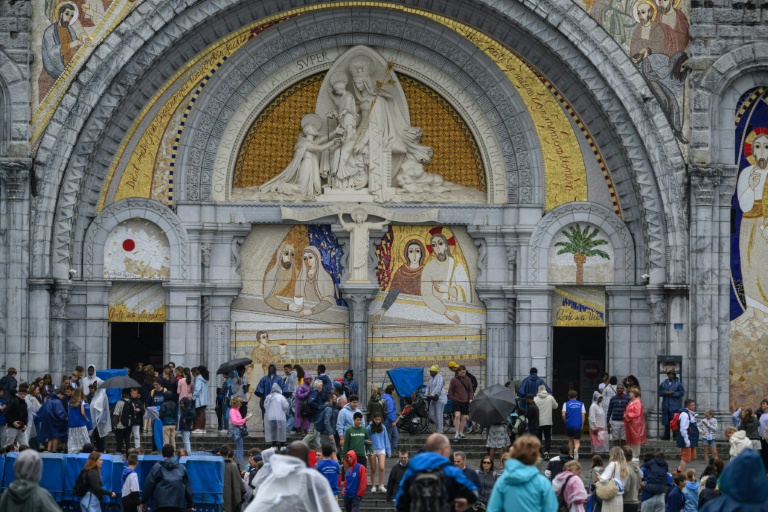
530, 386
671, 392
265, 386
53, 417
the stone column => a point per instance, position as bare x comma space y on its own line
702, 360
39, 335
534, 330
496, 266
30, 355
632, 343
60, 299
359, 297
658, 304
723, 253
96, 327
182, 324
217, 326
498, 328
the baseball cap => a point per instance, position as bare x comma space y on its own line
452, 365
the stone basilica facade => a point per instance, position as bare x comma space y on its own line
575, 185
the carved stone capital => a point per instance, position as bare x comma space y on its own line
358, 296
704, 181
205, 253
235, 257
60, 299
14, 174
658, 306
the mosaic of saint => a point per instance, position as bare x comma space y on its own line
654, 33
749, 249
422, 273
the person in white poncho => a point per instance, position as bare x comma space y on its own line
275, 411
101, 419
293, 485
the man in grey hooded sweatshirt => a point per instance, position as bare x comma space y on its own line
25, 494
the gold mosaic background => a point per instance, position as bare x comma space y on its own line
749, 358
268, 146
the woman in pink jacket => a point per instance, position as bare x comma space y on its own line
236, 422
185, 386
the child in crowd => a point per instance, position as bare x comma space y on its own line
708, 429
169, 415
691, 491
329, 468
355, 479
130, 492
676, 499
186, 422
381, 451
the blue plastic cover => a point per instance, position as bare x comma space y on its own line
73, 463
113, 395
206, 473
8, 474
146, 463
106, 475
117, 475
157, 432
406, 380
53, 474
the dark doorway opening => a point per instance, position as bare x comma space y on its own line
578, 362
134, 342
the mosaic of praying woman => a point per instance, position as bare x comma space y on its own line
407, 278
314, 285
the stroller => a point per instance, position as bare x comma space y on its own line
414, 415
414, 418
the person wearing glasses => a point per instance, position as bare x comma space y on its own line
487, 477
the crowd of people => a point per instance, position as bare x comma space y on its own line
341, 451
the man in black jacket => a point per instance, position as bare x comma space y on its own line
8, 383
167, 485
16, 417
396, 475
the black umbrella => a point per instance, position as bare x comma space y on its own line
233, 364
492, 405
119, 382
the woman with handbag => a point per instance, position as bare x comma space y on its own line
237, 428
91, 501
610, 487
275, 412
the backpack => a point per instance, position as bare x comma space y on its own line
305, 409
521, 426
126, 414
674, 424
429, 492
562, 505
82, 486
